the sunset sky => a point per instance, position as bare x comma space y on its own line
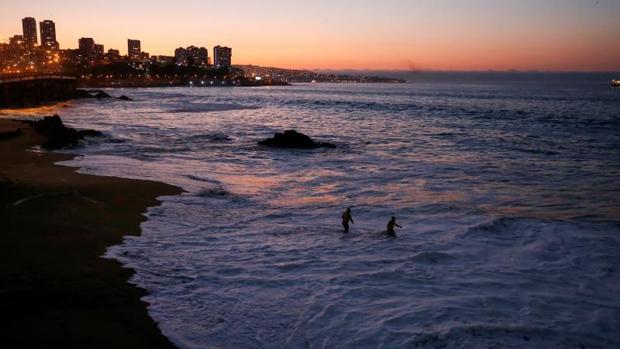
560, 35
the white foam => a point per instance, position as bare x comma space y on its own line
253, 254
520, 283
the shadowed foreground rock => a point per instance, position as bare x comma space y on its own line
58, 135
293, 140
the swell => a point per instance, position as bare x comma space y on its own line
276, 270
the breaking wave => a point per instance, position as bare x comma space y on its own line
508, 198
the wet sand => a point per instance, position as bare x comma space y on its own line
55, 290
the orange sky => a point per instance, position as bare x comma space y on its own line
337, 34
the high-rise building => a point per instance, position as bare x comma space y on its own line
86, 47
48, 35
197, 56
180, 56
192, 56
222, 56
134, 50
29, 26
113, 55
98, 51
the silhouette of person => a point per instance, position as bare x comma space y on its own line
390, 227
346, 217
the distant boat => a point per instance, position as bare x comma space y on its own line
615, 83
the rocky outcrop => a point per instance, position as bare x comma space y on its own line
82, 94
101, 94
58, 135
97, 94
293, 140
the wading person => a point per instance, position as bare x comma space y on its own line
346, 217
390, 227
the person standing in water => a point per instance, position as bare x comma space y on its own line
346, 217
390, 227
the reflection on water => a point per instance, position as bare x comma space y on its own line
50, 109
498, 187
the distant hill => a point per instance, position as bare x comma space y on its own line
294, 75
481, 76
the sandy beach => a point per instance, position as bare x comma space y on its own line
55, 225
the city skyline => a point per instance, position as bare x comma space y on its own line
572, 36
23, 52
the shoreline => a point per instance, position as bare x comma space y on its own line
130, 85
57, 289
86, 84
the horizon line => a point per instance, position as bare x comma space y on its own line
516, 71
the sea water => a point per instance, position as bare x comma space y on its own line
508, 192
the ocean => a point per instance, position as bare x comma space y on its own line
507, 189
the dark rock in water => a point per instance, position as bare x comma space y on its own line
218, 137
58, 135
90, 133
295, 140
125, 98
82, 94
100, 94
92, 94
